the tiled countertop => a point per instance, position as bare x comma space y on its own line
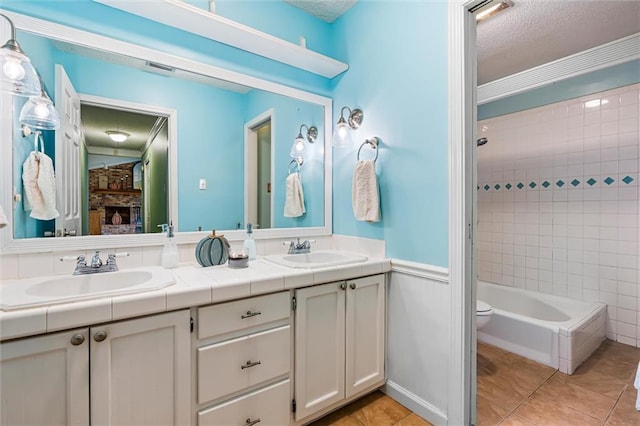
195, 286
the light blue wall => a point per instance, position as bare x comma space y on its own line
397, 56
289, 114
594, 82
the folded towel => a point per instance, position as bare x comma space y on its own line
39, 183
365, 198
294, 198
3, 218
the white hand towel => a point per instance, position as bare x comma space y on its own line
364, 194
39, 183
294, 198
3, 218
636, 384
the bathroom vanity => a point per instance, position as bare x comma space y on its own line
263, 345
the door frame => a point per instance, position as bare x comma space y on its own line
172, 130
250, 158
462, 82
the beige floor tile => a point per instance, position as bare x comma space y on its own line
489, 414
487, 353
618, 352
576, 397
413, 420
543, 411
515, 420
382, 411
625, 412
601, 376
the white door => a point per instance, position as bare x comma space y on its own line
365, 333
141, 371
67, 161
45, 380
319, 347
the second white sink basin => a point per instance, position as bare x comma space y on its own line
32, 292
316, 259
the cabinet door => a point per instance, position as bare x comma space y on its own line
319, 352
45, 380
140, 371
365, 333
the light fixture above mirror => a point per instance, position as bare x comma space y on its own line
342, 133
18, 75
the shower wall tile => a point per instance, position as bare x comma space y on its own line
558, 210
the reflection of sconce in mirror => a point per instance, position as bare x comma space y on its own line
18, 75
342, 135
299, 147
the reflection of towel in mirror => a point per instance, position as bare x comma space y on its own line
39, 183
364, 194
294, 198
3, 218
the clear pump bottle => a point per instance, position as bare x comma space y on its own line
250, 243
170, 257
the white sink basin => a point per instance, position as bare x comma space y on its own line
316, 259
32, 292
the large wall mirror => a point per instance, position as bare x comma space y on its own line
159, 139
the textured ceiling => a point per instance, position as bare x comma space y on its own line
535, 32
327, 10
531, 33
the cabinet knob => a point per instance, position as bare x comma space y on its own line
77, 339
343, 286
100, 336
352, 286
252, 422
250, 314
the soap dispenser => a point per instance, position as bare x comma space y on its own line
170, 258
250, 243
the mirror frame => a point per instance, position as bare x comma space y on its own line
9, 245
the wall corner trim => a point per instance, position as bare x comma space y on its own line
609, 54
421, 270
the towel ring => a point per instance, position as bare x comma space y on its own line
297, 164
374, 141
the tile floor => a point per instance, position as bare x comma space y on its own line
516, 391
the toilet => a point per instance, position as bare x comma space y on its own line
483, 313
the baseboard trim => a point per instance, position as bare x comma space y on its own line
421, 270
414, 403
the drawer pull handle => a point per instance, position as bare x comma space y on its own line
352, 286
252, 422
77, 339
250, 364
250, 314
100, 336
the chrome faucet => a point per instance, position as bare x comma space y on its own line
96, 264
297, 247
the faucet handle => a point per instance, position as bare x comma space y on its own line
111, 257
80, 259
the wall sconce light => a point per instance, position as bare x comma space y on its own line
18, 75
39, 113
341, 134
299, 147
117, 135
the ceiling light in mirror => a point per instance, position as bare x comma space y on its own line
117, 136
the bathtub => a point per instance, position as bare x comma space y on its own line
552, 330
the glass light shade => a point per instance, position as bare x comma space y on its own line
18, 75
342, 134
298, 148
117, 136
39, 113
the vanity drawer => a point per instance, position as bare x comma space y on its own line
233, 365
232, 316
270, 405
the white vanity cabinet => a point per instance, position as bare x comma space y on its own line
129, 372
243, 358
339, 342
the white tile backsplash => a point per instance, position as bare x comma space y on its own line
566, 220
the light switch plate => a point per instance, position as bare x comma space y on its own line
203, 184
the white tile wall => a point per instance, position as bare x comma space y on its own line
558, 208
